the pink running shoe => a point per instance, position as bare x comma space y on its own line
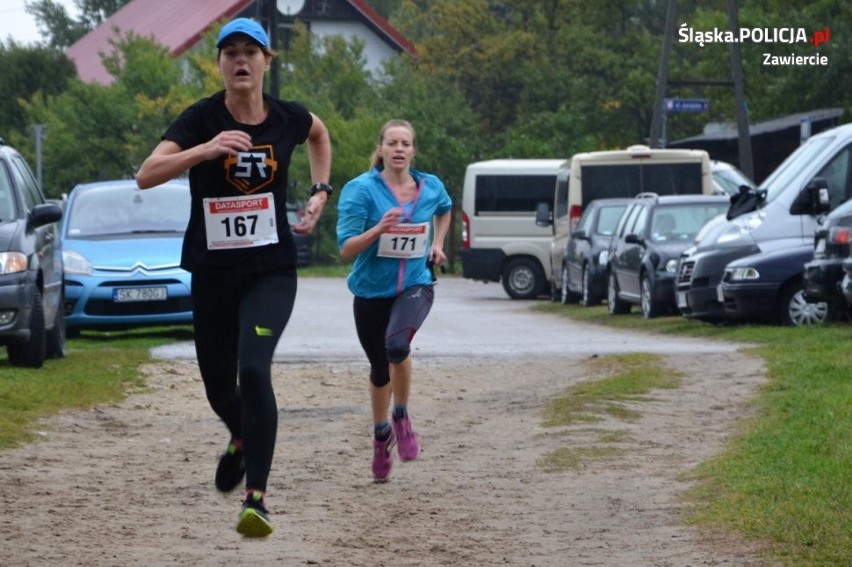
407, 441
383, 457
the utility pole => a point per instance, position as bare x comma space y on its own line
744, 135
662, 78
38, 134
658, 117
272, 23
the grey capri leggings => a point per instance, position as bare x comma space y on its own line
386, 327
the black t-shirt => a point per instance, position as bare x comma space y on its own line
263, 169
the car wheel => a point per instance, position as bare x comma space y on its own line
650, 307
793, 310
590, 298
523, 278
567, 295
55, 339
615, 305
32, 352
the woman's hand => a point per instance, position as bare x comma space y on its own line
389, 219
228, 142
436, 255
312, 214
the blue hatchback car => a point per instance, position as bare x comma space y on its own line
121, 250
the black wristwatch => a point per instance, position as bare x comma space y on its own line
321, 187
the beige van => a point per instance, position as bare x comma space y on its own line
616, 174
500, 239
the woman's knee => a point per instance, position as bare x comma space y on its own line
398, 351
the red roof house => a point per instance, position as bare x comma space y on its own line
179, 25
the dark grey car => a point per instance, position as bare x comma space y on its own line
643, 256
584, 261
31, 319
832, 246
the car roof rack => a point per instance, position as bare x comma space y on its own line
647, 195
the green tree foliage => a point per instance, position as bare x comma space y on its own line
27, 70
509, 78
60, 28
96, 132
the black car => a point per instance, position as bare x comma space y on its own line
846, 284
643, 255
584, 260
31, 318
832, 245
768, 288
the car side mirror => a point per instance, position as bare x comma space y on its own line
634, 239
580, 234
44, 214
542, 214
813, 199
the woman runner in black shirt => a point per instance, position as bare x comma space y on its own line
237, 146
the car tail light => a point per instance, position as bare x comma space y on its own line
574, 217
465, 234
840, 235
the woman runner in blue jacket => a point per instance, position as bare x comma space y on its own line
386, 219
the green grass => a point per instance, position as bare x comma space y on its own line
785, 479
626, 378
631, 378
326, 271
99, 368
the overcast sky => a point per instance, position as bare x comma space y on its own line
21, 26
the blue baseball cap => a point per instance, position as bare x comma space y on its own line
244, 26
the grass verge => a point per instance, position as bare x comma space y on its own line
99, 368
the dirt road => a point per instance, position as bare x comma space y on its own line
132, 484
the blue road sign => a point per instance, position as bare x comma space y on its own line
687, 104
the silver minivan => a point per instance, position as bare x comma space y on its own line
781, 212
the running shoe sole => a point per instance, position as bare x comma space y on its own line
253, 524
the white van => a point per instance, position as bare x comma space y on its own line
616, 174
781, 213
500, 239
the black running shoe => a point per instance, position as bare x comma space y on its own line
231, 469
254, 518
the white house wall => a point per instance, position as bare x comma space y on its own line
376, 51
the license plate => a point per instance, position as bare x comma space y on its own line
681, 299
719, 295
128, 294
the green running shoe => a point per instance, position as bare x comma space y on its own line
254, 518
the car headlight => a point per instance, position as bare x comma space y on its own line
740, 274
76, 263
671, 266
741, 226
12, 262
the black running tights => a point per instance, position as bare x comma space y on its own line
238, 320
386, 327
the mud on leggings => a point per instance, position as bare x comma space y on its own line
386, 327
238, 320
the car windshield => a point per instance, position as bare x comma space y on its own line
609, 218
7, 198
682, 222
785, 173
119, 209
730, 180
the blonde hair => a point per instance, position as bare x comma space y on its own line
377, 160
